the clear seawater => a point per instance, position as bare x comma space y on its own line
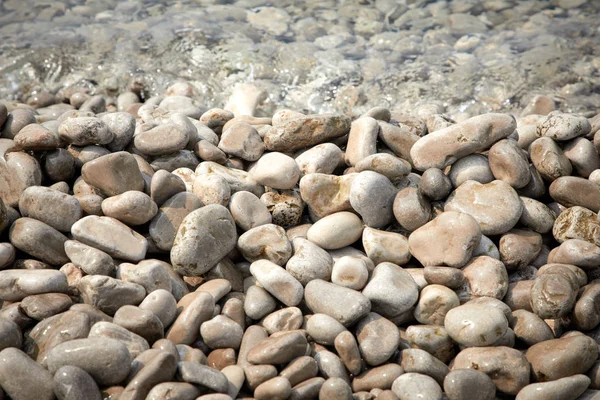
470, 56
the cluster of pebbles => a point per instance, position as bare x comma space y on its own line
160, 250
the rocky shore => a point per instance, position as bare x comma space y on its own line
163, 250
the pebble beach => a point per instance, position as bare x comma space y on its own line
333, 200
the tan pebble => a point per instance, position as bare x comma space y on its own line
286, 319
463, 384
265, 242
372, 196
537, 216
450, 277
455, 236
509, 163
583, 156
548, 159
323, 158
276, 170
278, 350
577, 223
400, 139
345, 305
324, 329
474, 167
286, 207
508, 368
335, 388
388, 165
495, 206
348, 351
242, 140
574, 191
560, 358
530, 328
336, 230
309, 262
377, 337
411, 209
432, 338
485, 277
475, 325
248, 211
435, 301
299, 370
326, 194
330, 365
412, 386
420, 361
277, 388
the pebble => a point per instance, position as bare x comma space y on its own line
388, 165
548, 159
211, 189
508, 368
39, 239
83, 131
306, 131
577, 223
204, 237
23, 378
265, 242
434, 339
560, 358
530, 328
377, 338
392, 291
449, 239
509, 163
413, 386
464, 384
420, 361
308, 262
72, 383
475, 167
164, 225
475, 325
362, 140
383, 246
242, 140
221, 333
237, 179
274, 388
572, 191
202, 375
136, 344
111, 236
411, 209
131, 207
114, 173
372, 196
323, 159
326, 194
16, 284
285, 174
41, 306
345, 305
435, 301
248, 211
278, 349
495, 205
443, 147
141, 322
109, 294
562, 126
485, 277
106, 360
351, 272
278, 282
286, 207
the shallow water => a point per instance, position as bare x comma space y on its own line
471, 56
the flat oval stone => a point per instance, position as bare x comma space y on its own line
221, 333
114, 173
560, 358
335, 388
16, 284
564, 388
83, 131
433, 339
508, 368
449, 239
242, 140
388, 165
381, 377
91, 260
495, 206
111, 236
485, 277
377, 337
131, 207
475, 325
399, 138
464, 384
106, 360
576, 252
336, 230
345, 305
165, 185
161, 140
309, 262
73, 383
197, 308
162, 304
392, 291
372, 196
420, 361
40, 240
414, 386
362, 140
57, 209
572, 191
475, 167
109, 294
278, 349
276, 170
347, 348
37, 137
536, 215
324, 329
23, 378
443, 147
159, 369
278, 282
136, 344
141, 322
45, 305
286, 319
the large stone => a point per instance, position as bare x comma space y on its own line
450, 240
345, 305
495, 206
22, 378
16, 284
445, 146
111, 236
114, 173
39, 240
57, 209
204, 237
306, 131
